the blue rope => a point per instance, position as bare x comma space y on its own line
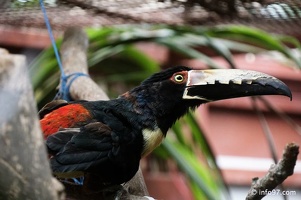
64, 88
63, 92
78, 181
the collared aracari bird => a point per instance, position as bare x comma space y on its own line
108, 138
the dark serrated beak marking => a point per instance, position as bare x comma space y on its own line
218, 84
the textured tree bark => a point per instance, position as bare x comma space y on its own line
24, 169
74, 59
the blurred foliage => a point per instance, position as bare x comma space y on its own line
115, 46
114, 58
30, 3
202, 173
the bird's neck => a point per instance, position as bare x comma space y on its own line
155, 111
166, 117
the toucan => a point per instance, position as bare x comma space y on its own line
108, 138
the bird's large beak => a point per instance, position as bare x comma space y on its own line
212, 85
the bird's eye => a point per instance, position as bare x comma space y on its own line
179, 78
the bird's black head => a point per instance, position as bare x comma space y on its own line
168, 95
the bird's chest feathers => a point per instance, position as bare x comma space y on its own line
152, 139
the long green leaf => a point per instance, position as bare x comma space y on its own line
202, 143
238, 46
189, 52
147, 65
103, 53
178, 131
187, 162
254, 36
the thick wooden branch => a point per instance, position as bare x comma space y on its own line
276, 175
74, 59
24, 169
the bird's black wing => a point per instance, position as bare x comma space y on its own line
109, 147
79, 149
56, 142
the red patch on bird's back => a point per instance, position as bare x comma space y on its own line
69, 116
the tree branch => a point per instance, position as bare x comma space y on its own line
74, 59
276, 175
24, 169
